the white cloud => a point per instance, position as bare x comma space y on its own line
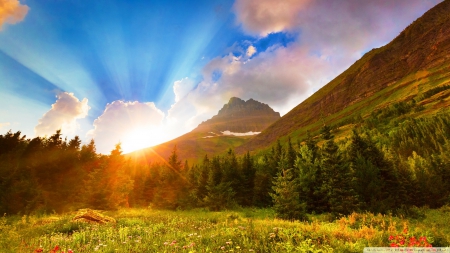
136, 125
182, 87
63, 115
11, 11
251, 50
268, 16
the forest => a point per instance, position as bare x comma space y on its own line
389, 162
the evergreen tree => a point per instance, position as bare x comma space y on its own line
307, 167
337, 184
285, 197
248, 179
262, 183
291, 156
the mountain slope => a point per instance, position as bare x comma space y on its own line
415, 61
231, 127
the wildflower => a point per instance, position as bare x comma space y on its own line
39, 250
55, 249
394, 244
391, 238
222, 248
166, 243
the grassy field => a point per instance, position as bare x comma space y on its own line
246, 230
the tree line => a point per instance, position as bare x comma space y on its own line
376, 168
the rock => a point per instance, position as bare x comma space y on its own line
92, 216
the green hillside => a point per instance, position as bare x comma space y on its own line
413, 63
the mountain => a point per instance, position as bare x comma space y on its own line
233, 125
416, 61
240, 116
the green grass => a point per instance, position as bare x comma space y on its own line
245, 230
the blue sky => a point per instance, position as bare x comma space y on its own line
118, 70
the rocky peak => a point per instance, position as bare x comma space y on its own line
238, 107
241, 116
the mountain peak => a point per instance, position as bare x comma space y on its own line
241, 116
238, 107
235, 100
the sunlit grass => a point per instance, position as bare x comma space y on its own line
246, 230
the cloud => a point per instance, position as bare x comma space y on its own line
328, 25
63, 115
134, 124
182, 87
251, 50
11, 11
262, 17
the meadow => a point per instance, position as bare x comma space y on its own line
242, 230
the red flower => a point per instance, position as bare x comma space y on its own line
394, 244
54, 250
391, 238
39, 250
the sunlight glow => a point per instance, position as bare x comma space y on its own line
140, 138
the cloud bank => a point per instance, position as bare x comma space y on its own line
63, 115
11, 11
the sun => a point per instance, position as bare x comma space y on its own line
140, 138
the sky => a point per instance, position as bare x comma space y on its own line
143, 72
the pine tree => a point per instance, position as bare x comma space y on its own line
307, 167
285, 197
202, 179
291, 155
337, 184
220, 194
248, 179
